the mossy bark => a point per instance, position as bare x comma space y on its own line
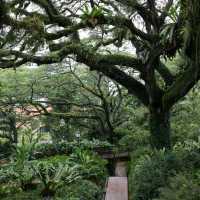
160, 128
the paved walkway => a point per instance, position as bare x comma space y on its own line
120, 169
117, 188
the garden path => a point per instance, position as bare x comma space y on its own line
117, 187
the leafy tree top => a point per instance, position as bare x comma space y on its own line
99, 33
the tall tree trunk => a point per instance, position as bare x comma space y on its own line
13, 130
160, 128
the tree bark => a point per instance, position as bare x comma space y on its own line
160, 128
13, 129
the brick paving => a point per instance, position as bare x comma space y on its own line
117, 188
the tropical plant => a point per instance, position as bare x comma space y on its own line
90, 165
54, 176
19, 168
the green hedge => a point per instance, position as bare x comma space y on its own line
48, 149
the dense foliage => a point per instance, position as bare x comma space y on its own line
48, 176
85, 80
170, 174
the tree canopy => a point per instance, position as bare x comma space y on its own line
128, 41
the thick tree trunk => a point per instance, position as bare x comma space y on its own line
160, 128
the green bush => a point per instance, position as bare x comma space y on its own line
134, 140
188, 153
181, 187
31, 195
91, 166
51, 174
152, 172
7, 189
51, 149
48, 149
54, 176
185, 118
81, 190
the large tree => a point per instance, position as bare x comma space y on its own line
125, 40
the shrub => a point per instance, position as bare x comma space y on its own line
48, 149
152, 172
6, 189
189, 153
91, 166
181, 187
136, 139
53, 176
83, 189
18, 170
20, 195
52, 173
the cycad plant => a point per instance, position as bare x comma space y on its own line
90, 165
53, 176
